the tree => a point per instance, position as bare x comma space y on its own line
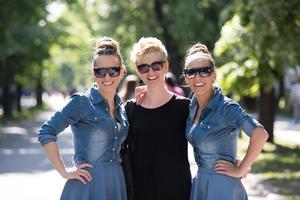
257, 44
25, 38
177, 23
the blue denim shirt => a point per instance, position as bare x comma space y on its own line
215, 136
97, 136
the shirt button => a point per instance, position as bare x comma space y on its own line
116, 137
115, 126
110, 160
113, 149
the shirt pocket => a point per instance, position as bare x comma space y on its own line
205, 131
93, 119
209, 127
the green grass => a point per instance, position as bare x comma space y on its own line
24, 114
279, 164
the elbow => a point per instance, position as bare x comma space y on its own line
265, 134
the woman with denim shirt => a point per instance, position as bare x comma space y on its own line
99, 124
213, 126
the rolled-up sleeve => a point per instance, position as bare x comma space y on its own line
70, 114
237, 117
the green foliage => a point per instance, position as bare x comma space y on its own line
177, 23
260, 40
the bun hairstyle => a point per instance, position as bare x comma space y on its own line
202, 50
107, 46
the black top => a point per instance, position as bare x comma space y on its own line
160, 164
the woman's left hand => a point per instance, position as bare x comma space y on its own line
227, 168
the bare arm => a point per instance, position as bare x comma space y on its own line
257, 141
53, 155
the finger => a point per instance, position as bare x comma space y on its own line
223, 162
139, 99
220, 168
81, 179
84, 165
140, 88
83, 173
222, 172
86, 174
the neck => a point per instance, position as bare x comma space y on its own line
156, 96
203, 99
108, 96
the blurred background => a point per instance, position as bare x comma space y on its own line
45, 53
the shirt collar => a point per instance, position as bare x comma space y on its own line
97, 98
213, 102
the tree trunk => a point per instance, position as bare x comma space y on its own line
18, 97
7, 101
267, 110
171, 45
39, 93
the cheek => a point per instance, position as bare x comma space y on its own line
189, 82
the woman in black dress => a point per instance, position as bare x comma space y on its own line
159, 159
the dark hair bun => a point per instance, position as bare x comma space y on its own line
107, 46
198, 48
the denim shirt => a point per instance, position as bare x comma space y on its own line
97, 136
215, 136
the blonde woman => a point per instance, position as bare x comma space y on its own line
160, 164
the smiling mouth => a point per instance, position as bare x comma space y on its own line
152, 78
107, 83
199, 84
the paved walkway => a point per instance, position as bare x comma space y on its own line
25, 173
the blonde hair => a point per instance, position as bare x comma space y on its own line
200, 49
107, 46
147, 45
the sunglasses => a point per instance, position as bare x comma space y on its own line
155, 66
190, 73
111, 71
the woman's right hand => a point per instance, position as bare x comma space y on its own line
80, 173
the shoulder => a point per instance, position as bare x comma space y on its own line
129, 104
181, 104
228, 103
231, 109
80, 96
181, 100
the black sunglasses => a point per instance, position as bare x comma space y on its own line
190, 73
155, 66
111, 71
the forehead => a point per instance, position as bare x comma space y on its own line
150, 57
197, 60
107, 61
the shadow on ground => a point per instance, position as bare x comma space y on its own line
20, 151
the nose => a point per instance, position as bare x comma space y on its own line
106, 75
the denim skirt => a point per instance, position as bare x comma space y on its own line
107, 183
207, 185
